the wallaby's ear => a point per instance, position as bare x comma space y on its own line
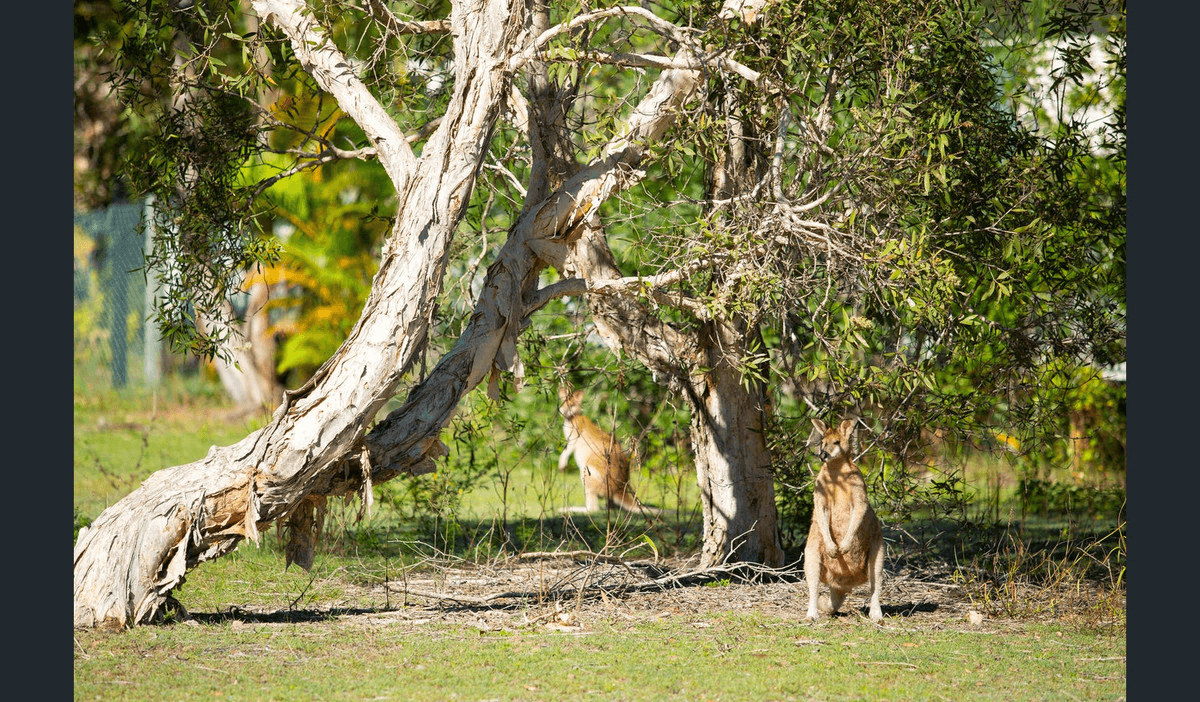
576, 397
820, 426
563, 393
846, 428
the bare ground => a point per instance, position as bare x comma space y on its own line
568, 593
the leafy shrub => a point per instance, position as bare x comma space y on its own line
80, 522
1047, 497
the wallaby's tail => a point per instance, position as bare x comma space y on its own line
629, 502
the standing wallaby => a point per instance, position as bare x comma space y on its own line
603, 465
845, 543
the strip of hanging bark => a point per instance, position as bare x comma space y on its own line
303, 531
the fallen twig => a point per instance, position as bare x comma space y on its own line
534, 555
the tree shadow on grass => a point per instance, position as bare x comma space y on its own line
282, 616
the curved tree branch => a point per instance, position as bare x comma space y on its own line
138, 550
332, 71
542, 236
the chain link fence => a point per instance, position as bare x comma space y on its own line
114, 343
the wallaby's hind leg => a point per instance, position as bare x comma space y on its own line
875, 578
812, 576
591, 499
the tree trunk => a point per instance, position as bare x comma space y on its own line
138, 550
728, 442
737, 488
728, 415
248, 375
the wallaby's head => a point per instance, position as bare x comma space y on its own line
569, 402
834, 442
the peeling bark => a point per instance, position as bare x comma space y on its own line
138, 550
543, 235
737, 487
737, 490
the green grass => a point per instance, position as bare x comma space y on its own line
120, 442
537, 489
336, 634
734, 657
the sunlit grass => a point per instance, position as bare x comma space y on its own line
733, 657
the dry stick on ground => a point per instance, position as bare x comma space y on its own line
534, 555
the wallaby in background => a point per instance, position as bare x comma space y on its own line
603, 465
845, 543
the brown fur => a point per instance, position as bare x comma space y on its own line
845, 543
603, 464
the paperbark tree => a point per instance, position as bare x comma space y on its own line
138, 550
728, 414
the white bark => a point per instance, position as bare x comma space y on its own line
542, 236
138, 550
329, 67
737, 492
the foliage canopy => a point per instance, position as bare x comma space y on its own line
915, 214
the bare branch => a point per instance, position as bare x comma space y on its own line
683, 61
649, 282
397, 26
508, 175
331, 153
694, 58
568, 287
630, 285
332, 72
657, 23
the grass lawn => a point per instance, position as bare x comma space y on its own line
395, 655
354, 629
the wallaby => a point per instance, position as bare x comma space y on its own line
845, 543
603, 465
